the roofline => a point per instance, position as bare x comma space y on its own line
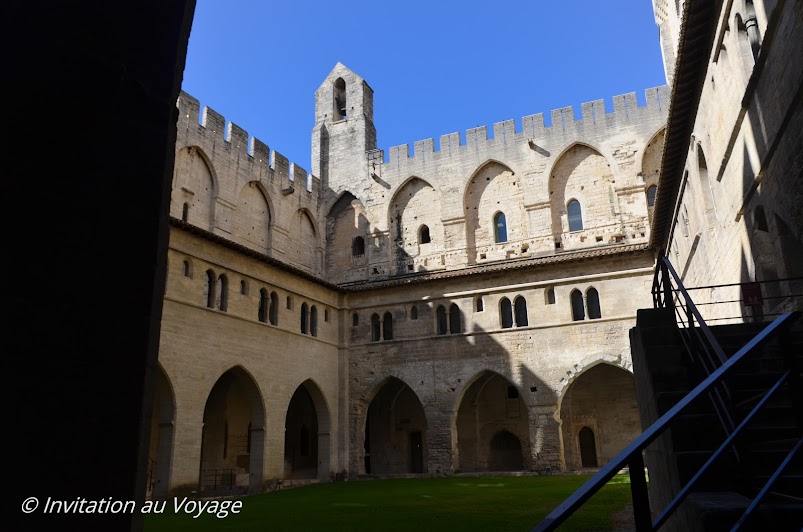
362, 286
697, 31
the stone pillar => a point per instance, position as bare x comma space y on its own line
545, 445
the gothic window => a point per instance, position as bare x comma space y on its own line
480, 306
262, 313
273, 311
500, 228
304, 317
454, 319
575, 216
506, 313
592, 301
223, 293
651, 195
210, 289
520, 306
578, 314
550, 296
440, 318
313, 321
387, 326
375, 326
358, 247
414, 313
340, 111
423, 235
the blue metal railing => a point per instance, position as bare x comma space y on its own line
631, 456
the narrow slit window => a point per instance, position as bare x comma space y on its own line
358, 247
387, 326
578, 314
480, 306
423, 235
520, 306
506, 313
273, 313
455, 325
500, 228
304, 317
375, 328
313, 321
440, 319
414, 313
592, 301
575, 216
651, 195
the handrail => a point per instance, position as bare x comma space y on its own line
632, 453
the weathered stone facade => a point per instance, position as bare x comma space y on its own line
458, 309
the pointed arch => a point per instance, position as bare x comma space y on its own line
390, 446
195, 183
254, 217
234, 414
308, 415
306, 247
648, 159
580, 173
346, 239
414, 205
487, 403
493, 179
160, 450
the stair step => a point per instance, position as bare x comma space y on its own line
719, 511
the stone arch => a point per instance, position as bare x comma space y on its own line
195, 184
602, 397
487, 404
233, 436
494, 187
415, 203
346, 220
254, 217
305, 248
709, 215
394, 427
160, 450
308, 416
650, 158
583, 174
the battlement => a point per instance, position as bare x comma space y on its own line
213, 124
594, 118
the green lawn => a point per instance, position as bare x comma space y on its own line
456, 503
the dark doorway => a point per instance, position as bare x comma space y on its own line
416, 452
505, 452
588, 448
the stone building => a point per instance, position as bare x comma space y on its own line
465, 308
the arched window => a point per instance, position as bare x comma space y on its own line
423, 235
185, 212
454, 319
262, 313
355, 319
358, 246
223, 292
550, 296
575, 216
186, 269
313, 321
387, 326
273, 313
520, 306
289, 303
326, 315
440, 320
500, 228
244, 287
651, 195
210, 289
304, 317
480, 306
592, 301
505, 313
340, 111
414, 313
578, 314
375, 326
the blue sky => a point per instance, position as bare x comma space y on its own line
436, 67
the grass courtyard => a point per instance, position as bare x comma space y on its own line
457, 503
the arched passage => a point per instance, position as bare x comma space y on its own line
160, 450
599, 408
306, 434
490, 417
395, 431
233, 436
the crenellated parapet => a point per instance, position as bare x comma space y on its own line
236, 186
530, 172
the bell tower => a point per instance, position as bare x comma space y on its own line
344, 131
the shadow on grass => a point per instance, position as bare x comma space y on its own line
482, 503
